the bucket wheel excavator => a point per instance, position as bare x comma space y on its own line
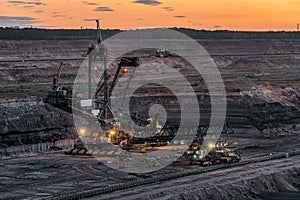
62, 97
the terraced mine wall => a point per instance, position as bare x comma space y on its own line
26, 122
40, 147
261, 77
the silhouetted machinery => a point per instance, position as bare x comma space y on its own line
59, 96
163, 53
106, 86
218, 153
143, 100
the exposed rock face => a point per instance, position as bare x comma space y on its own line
249, 188
262, 91
26, 122
273, 110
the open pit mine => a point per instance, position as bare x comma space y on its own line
45, 156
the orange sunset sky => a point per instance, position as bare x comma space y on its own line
128, 14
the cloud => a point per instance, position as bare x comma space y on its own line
59, 15
167, 8
37, 3
148, 2
39, 11
16, 18
89, 3
103, 9
140, 19
179, 16
16, 21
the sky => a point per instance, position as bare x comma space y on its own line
242, 15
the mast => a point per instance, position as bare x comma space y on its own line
99, 35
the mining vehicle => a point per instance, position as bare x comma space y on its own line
59, 96
219, 153
78, 149
162, 53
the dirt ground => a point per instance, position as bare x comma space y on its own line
53, 174
263, 97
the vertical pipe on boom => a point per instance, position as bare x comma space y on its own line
105, 86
